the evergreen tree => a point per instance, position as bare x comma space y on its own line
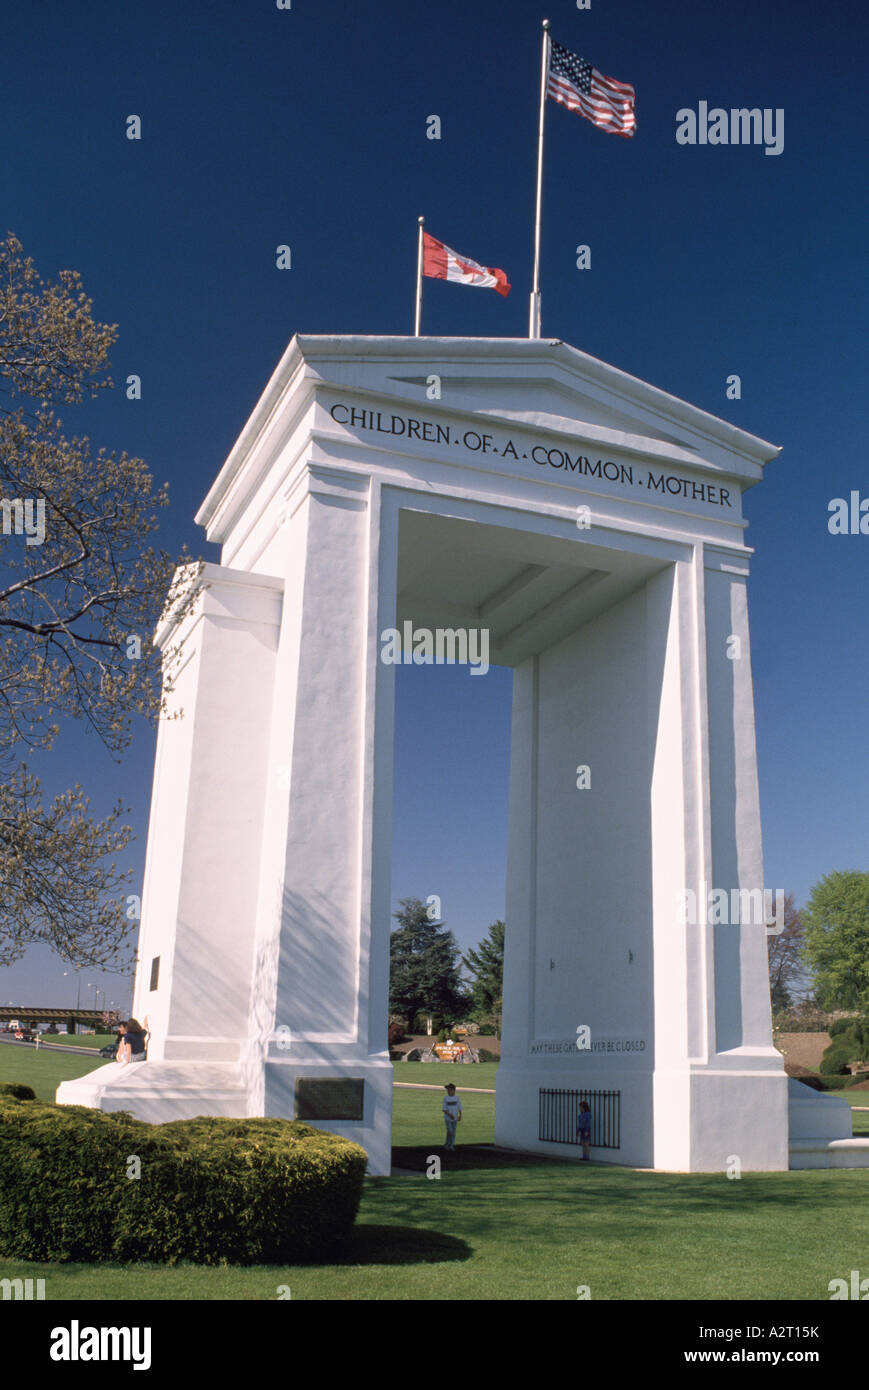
424, 966
486, 966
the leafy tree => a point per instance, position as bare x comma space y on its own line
424, 965
837, 939
81, 589
785, 957
486, 966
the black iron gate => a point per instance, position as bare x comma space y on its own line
559, 1112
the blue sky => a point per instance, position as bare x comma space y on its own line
308, 127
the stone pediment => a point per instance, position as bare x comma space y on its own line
538, 385
543, 382
546, 404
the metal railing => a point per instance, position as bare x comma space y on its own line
558, 1112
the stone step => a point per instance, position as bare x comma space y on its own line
829, 1153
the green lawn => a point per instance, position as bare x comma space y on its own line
503, 1226
481, 1074
43, 1069
83, 1039
537, 1230
417, 1118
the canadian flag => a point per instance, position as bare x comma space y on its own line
444, 264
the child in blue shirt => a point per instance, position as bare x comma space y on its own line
583, 1128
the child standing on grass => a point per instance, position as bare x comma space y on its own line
583, 1128
452, 1109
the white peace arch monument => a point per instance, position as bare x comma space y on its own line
590, 526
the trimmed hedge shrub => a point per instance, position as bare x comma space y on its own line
18, 1090
849, 1045
210, 1190
817, 1083
842, 1025
829, 1083
836, 1059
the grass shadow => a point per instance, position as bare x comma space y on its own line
468, 1157
400, 1245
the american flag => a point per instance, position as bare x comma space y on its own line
580, 87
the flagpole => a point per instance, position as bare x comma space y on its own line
534, 315
418, 315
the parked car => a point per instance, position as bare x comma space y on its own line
25, 1034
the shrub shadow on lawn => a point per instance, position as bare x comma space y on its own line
469, 1156
400, 1245
648, 1194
